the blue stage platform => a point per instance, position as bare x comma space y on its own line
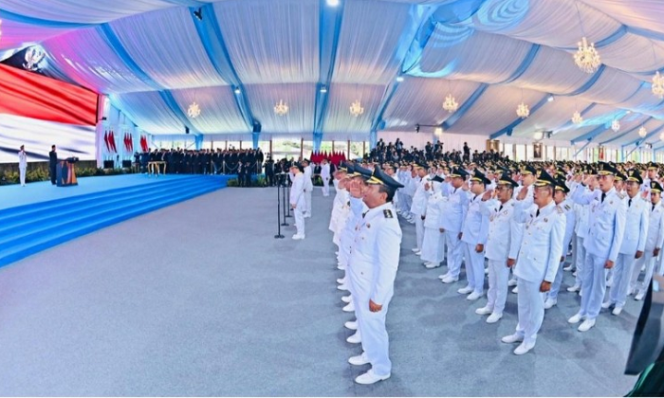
40, 215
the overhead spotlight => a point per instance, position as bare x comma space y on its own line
237, 91
199, 14
628, 111
332, 3
417, 128
399, 79
550, 99
323, 89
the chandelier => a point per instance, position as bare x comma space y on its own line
643, 132
194, 111
356, 108
577, 118
281, 108
615, 125
658, 85
450, 104
586, 57
522, 110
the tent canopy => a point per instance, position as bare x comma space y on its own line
238, 58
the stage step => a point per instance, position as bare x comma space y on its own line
29, 229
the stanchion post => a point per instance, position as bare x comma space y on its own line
278, 235
286, 198
289, 208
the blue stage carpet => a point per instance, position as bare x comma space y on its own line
200, 299
40, 215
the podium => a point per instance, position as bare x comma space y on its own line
65, 173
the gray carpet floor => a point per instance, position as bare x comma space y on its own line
200, 299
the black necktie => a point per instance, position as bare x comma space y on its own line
537, 214
629, 203
603, 196
653, 208
501, 208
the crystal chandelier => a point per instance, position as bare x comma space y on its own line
194, 111
643, 132
281, 108
577, 118
615, 125
450, 104
586, 57
658, 85
522, 110
356, 108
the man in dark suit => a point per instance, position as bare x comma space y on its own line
52, 163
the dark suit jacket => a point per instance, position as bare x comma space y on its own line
52, 158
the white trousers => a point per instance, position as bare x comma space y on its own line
298, 213
622, 276
531, 310
557, 282
474, 268
432, 245
419, 230
371, 325
593, 285
499, 273
580, 261
22, 171
454, 253
326, 186
650, 262
307, 198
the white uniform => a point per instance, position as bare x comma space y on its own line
654, 240
373, 267
634, 239
308, 188
475, 232
433, 242
538, 260
325, 175
22, 165
419, 208
567, 207
500, 246
451, 220
297, 200
606, 228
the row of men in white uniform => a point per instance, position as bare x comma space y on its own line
614, 224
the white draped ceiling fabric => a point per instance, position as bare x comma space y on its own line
155, 57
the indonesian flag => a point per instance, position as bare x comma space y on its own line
106, 141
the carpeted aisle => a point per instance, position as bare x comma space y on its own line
200, 299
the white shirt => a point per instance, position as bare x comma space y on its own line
22, 159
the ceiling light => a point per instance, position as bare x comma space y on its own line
658, 85
586, 57
615, 125
661, 136
450, 104
356, 108
399, 79
550, 99
194, 110
281, 108
323, 89
237, 91
522, 111
538, 135
643, 132
577, 118
332, 3
438, 132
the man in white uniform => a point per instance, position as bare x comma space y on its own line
297, 200
373, 268
325, 176
308, 186
419, 206
454, 213
501, 247
22, 164
653, 246
538, 259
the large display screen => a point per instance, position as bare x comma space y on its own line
38, 136
37, 111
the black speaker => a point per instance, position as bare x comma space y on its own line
257, 127
186, 130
